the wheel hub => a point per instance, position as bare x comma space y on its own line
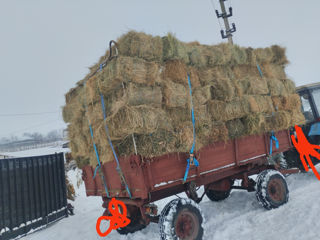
276, 190
186, 226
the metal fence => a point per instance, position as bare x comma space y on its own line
32, 194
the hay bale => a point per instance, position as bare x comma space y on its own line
175, 94
287, 103
254, 86
138, 44
215, 73
197, 57
219, 132
276, 87
264, 104
176, 71
297, 117
222, 89
278, 121
254, 124
149, 145
126, 69
236, 128
273, 71
223, 111
279, 56
289, 85
201, 95
174, 49
140, 95
139, 119
245, 71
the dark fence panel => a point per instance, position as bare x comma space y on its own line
32, 193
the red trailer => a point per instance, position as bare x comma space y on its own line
220, 164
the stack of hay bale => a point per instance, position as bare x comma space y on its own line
147, 98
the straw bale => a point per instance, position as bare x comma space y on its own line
149, 145
278, 121
222, 111
274, 54
254, 86
176, 71
175, 94
297, 117
264, 104
139, 119
258, 104
279, 56
289, 85
126, 69
254, 124
273, 71
276, 87
197, 57
263, 55
222, 89
201, 95
219, 132
215, 73
139, 95
287, 103
174, 49
138, 44
236, 128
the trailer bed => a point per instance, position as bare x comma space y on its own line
151, 179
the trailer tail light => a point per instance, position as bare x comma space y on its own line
151, 210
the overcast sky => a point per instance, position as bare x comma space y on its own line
47, 46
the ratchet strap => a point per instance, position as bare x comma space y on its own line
273, 139
191, 160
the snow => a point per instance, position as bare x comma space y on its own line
56, 148
239, 217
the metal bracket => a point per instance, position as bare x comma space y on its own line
224, 15
228, 33
232, 30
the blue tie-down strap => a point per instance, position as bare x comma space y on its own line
195, 162
273, 139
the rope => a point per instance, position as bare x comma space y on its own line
259, 69
191, 160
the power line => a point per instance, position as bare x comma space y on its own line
26, 114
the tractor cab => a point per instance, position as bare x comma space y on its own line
310, 107
310, 102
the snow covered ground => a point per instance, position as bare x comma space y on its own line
238, 217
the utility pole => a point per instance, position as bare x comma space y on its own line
228, 32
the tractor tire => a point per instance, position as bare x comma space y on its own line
217, 196
272, 190
181, 219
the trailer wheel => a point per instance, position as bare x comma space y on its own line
217, 195
181, 219
272, 190
133, 226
